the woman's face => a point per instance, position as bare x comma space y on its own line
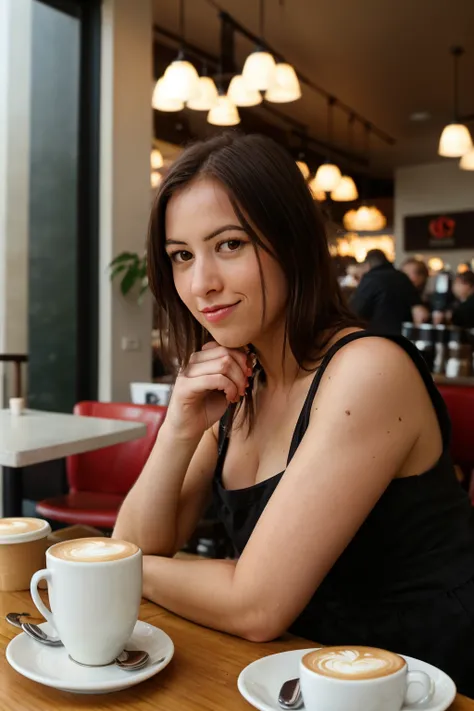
216, 270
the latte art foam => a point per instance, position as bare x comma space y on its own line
93, 550
353, 662
15, 526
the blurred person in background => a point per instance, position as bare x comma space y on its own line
386, 297
418, 273
463, 289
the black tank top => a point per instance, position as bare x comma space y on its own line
406, 580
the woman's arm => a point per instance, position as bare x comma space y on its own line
164, 506
366, 420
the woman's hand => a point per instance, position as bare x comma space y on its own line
215, 377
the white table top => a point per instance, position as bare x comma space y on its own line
36, 436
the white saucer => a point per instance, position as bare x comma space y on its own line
261, 681
51, 665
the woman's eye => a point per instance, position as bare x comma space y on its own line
181, 256
231, 245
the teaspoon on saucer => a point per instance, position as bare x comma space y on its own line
128, 660
38, 635
290, 695
17, 618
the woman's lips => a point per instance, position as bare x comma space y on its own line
220, 313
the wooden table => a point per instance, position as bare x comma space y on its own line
201, 677
36, 436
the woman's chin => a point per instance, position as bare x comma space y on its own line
229, 339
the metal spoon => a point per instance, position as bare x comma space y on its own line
16, 618
132, 660
290, 695
128, 660
36, 633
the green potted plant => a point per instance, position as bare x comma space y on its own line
131, 268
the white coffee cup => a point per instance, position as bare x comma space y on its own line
17, 405
23, 544
333, 689
95, 588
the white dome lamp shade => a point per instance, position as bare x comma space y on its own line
206, 97
467, 161
327, 178
259, 70
346, 191
455, 139
285, 86
259, 67
224, 112
241, 95
161, 101
181, 80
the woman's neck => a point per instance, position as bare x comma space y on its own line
278, 362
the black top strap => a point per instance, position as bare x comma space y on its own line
303, 419
410, 349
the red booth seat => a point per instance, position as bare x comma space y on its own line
100, 480
460, 403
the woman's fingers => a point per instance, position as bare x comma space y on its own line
225, 365
217, 381
214, 351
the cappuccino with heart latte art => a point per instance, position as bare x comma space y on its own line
353, 662
93, 550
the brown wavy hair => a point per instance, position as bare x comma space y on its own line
270, 197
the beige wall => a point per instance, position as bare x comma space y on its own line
15, 58
433, 187
126, 134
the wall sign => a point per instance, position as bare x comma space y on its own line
444, 230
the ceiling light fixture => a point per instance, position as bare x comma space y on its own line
467, 161
206, 96
259, 67
346, 191
285, 86
161, 101
224, 112
367, 218
156, 159
241, 95
328, 175
455, 140
181, 77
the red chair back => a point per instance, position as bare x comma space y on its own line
460, 403
114, 470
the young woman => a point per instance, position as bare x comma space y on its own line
324, 449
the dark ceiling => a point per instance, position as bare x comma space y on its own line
385, 58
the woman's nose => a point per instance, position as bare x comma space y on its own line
205, 278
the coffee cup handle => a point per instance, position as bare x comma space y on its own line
427, 689
35, 580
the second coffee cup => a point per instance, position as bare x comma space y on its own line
94, 587
23, 543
